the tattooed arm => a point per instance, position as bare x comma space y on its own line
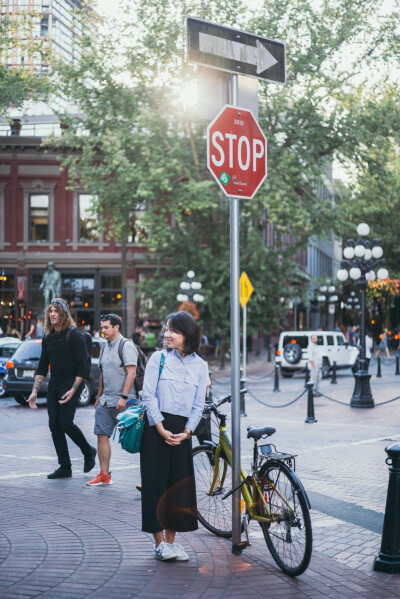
36, 386
69, 394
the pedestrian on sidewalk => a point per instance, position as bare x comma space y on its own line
383, 345
174, 391
64, 350
369, 345
117, 361
314, 364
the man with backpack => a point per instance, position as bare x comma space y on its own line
66, 351
118, 359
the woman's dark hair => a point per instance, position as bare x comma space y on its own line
184, 323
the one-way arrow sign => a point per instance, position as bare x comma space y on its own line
235, 51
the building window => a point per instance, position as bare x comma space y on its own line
110, 293
44, 27
38, 217
87, 218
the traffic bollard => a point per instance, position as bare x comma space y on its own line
269, 353
242, 397
307, 376
310, 403
388, 559
397, 365
276, 379
379, 373
333, 380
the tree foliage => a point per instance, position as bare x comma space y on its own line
18, 39
140, 149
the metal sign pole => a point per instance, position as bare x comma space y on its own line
244, 340
235, 351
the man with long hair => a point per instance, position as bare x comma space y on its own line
64, 350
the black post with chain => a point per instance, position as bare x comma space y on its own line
388, 559
379, 372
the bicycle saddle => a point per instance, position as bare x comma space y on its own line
257, 433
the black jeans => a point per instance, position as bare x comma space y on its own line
61, 423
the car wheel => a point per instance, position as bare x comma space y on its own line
21, 399
292, 353
325, 368
86, 395
2, 390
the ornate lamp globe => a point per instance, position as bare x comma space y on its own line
363, 229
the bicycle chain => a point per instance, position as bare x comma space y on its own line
271, 406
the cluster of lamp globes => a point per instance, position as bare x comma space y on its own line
365, 253
190, 286
331, 298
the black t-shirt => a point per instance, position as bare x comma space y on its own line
65, 358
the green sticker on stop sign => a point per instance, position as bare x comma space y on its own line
224, 178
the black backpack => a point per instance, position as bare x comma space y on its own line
88, 345
140, 366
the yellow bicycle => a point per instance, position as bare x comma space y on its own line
272, 494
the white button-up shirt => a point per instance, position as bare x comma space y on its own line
181, 389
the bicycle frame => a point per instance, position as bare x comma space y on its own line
250, 499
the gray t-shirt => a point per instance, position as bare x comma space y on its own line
113, 371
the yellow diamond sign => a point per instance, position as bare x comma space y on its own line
246, 289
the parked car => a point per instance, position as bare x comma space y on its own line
292, 352
8, 345
21, 371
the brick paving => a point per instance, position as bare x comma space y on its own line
62, 539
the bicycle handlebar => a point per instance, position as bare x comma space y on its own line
225, 399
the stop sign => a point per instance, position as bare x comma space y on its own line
237, 152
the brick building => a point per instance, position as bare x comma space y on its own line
42, 221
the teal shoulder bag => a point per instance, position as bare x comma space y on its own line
131, 423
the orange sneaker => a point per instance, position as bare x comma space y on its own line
101, 479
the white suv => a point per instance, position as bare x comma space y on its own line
292, 353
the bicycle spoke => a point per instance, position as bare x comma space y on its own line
288, 536
214, 513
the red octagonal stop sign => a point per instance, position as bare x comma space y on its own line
237, 152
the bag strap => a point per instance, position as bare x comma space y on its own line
69, 334
121, 348
162, 361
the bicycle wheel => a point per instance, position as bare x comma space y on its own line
214, 513
289, 536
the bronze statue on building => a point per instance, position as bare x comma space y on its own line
51, 284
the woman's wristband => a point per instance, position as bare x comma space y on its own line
124, 396
188, 432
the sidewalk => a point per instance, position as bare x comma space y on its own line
62, 539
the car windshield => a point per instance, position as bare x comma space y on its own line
29, 350
301, 340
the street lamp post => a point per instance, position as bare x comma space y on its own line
328, 295
361, 258
190, 286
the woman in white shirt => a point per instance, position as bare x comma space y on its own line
174, 392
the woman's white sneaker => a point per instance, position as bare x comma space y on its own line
181, 555
165, 551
